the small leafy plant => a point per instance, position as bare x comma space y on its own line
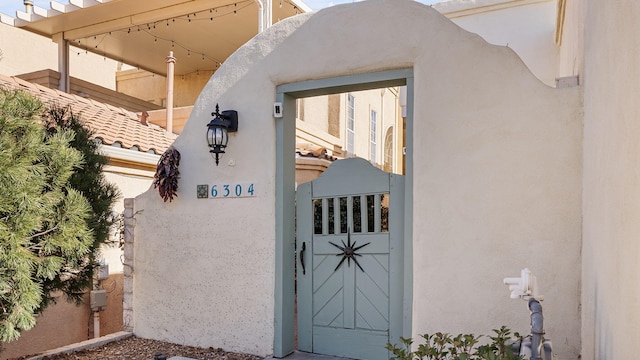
443, 346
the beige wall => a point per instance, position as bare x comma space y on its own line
526, 26
611, 270
153, 88
131, 183
572, 42
25, 52
66, 323
497, 184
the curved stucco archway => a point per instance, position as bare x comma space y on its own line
496, 184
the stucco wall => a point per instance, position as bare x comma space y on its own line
525, 26
497, 184
611, 271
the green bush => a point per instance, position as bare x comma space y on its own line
443, 346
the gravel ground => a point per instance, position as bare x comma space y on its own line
135, 348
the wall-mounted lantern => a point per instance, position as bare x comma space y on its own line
218, 129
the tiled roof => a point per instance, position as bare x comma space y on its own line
313, 151
111, 125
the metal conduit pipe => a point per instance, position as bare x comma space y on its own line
537, 329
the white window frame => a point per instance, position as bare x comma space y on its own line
373, 134
351, 125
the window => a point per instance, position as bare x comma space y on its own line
388, 150
351, 124
372, 138
300, 109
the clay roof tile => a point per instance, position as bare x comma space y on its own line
112, 125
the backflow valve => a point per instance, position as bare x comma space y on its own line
526, 288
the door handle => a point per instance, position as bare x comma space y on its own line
304, 247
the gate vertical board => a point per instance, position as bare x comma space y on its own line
303, 235
350, 251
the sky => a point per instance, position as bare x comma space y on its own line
9, 7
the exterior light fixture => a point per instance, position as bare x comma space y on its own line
218, 129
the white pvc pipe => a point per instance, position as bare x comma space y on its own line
96, 324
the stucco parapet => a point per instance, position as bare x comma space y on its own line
457, 8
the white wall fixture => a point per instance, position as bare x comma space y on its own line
524, 287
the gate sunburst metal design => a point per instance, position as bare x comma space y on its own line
349, 251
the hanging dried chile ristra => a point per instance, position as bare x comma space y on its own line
166, 177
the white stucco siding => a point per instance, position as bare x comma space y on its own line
497, 164
497, 157
204, 268
502, 191
611, 270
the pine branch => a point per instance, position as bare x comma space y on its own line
44, 232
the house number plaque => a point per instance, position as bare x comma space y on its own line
227, 190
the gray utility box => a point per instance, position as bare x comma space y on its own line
98, 300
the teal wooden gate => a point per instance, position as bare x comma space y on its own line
350, 249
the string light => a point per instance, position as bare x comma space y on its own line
214, 12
